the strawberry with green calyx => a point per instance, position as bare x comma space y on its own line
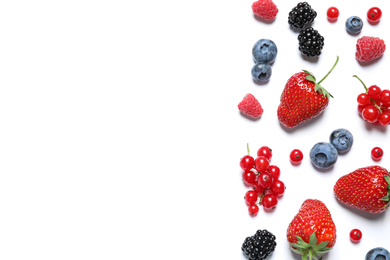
366, 189
312, 232
303, 98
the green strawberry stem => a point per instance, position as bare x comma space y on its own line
373, 101
311, 249
337, 60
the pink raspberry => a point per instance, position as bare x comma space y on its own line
250, 106
369, 48
265, 9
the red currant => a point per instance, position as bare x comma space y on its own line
278, 188
269, 202
265, 180
363, 99
376, 153
374, 14
355, 235
247, 162
265, 151
332, 13
274, 171
384, 97
384, 119
374, 91
251, 197
253, 210
370, 113
296, 157
258, 189
261, 164
360, 108
249, 178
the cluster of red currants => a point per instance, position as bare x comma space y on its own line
374, 105
263, 178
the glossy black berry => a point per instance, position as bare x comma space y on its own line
259, 246
301, 15
310, 42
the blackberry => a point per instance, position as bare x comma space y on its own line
260, 245
301, 15
310, 42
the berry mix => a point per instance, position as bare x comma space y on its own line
312, 232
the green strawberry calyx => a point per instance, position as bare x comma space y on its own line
310, 250
317, 85
387, 197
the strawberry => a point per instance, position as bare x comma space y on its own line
312, 232
265, 9
367, 189
250, 106
369, 48
302, 98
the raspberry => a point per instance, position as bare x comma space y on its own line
265, 9
369, 48
250, 106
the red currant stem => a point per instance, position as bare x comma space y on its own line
378, 107
247, 148
261, 198
337, 60
364, 85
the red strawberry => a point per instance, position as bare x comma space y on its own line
250, 106
302, 99
312, 232
265, 9
367, 189
369, 48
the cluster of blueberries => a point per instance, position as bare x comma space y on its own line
324, 155
264, 53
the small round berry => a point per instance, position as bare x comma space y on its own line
363, 99
274, 171
265, 151
253, 210
374, 92
251, 197
354, 24
296, 157
323, 155
261, 164
384, 119
278, 188
332, 14
370, 113
247, 162
269, 202
360, 109
258, 189
376, 153
265, 180
374, 15
384, 97
341, 139
355, 235
264, 51
249, 177
261, 72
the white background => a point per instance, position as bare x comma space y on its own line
120, 136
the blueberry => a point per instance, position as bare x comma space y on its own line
354, 24
264, 51
323, 155
378, 253
261, 72
341, 139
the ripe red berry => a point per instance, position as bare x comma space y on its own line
370, 113
360, 108
265, 9
369, 48
384, 97
355, 235
274, 171
332, 14
374, 15
278, 188
269, 202
253, 210
261, 164
363, 99
384, 119
265, 151
247, 162
249, 178
296, 157
251, 197
265, 180
374, 91
376, 153
258, 189
250, 106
